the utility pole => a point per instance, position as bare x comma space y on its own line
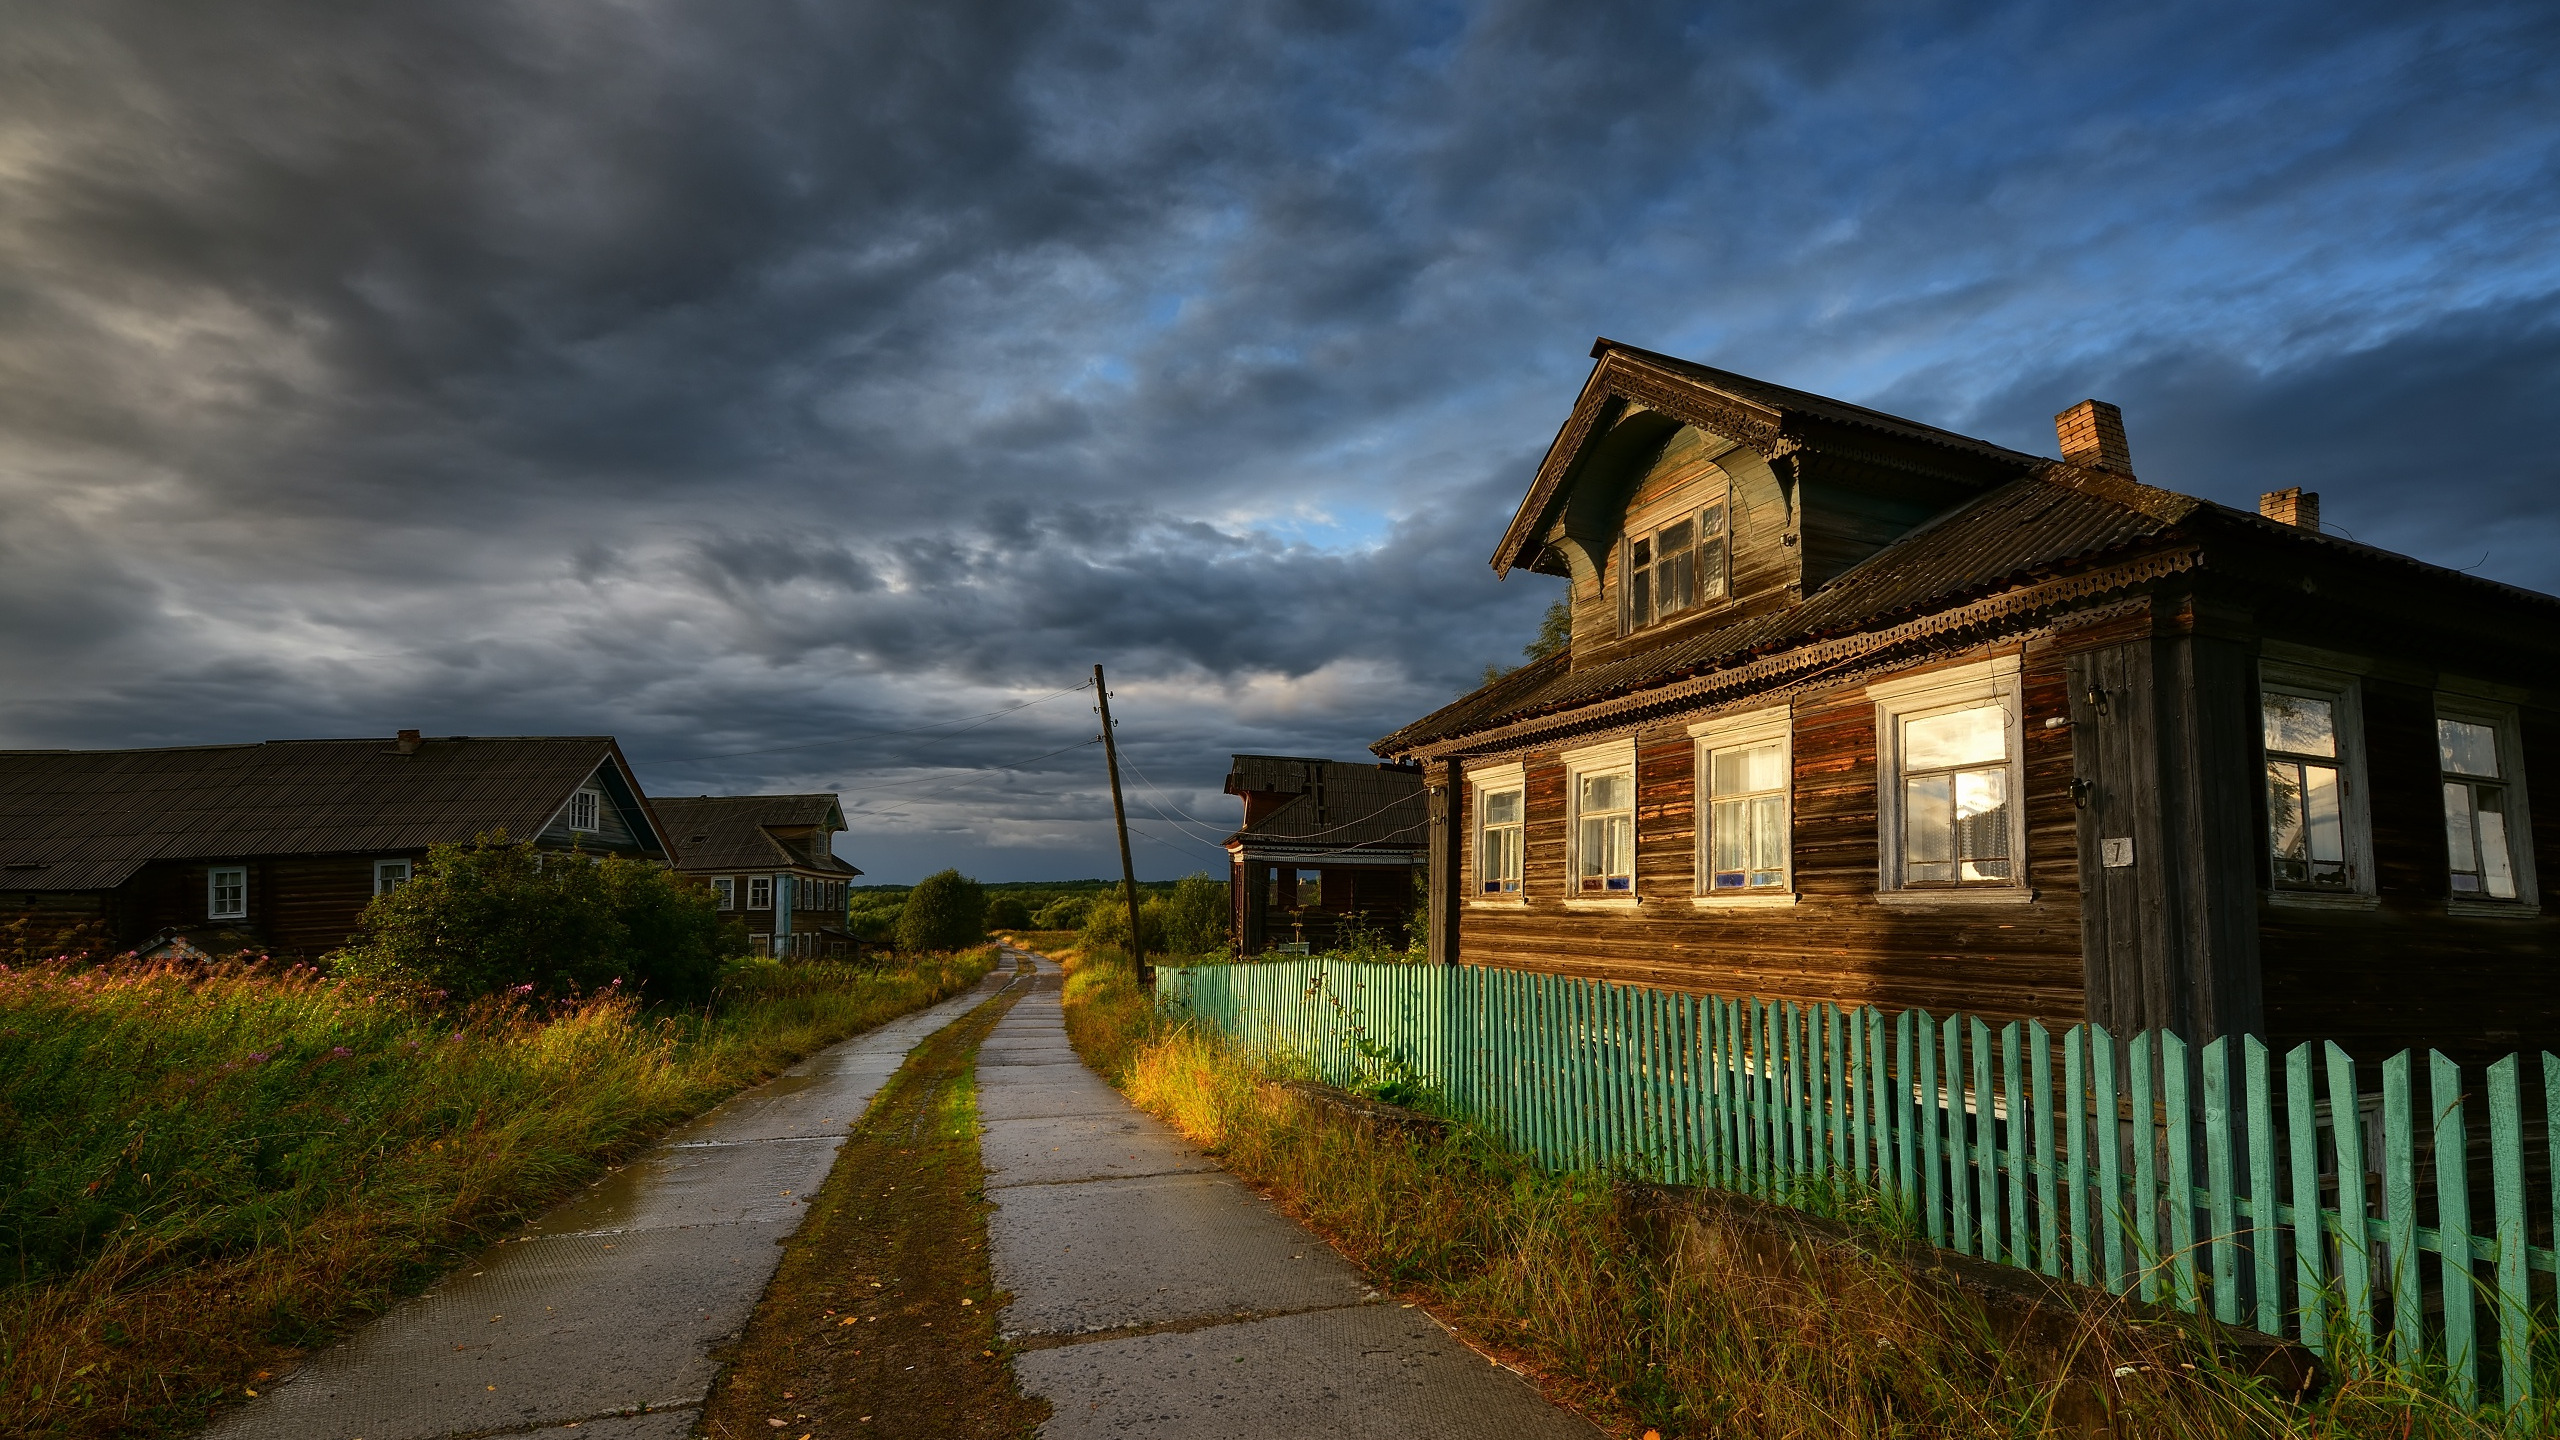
1120, 818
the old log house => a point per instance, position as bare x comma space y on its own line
771, 861
1327, 848
1864, 711
279, 846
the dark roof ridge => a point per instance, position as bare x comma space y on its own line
1775, 396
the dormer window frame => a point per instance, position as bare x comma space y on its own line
1644, 567
585, 811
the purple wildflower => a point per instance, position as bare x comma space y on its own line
339, 1052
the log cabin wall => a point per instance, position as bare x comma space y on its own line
2405, 973
1837, 943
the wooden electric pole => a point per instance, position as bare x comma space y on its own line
1120, 818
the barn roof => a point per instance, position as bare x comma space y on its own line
735, 832
88, 819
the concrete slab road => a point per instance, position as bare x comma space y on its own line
597, 1323
1155, 1295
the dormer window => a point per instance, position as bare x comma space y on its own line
1673, 568
585, 808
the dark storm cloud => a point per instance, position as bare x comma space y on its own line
788, 390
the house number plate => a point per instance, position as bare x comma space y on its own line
2116, 852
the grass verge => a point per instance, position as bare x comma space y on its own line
205, 1171
1722, 1331
881, 1320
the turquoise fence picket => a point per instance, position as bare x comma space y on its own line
2262, 1189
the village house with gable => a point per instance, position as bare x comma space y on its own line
770, 861
279, 845
1861, 710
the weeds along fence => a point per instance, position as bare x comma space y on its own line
2217, 1178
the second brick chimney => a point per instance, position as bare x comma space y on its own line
2092, 435
408, 742
2296, 506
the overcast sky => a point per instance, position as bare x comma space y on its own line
786, 389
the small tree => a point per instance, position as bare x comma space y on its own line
1007, 912
496, 914
946, 911
1106, 924
1195, 916
1067, 912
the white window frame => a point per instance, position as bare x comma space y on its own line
590, 800
390, 875
2503, 719
2345, 695
724, 889
1735, 732
1995, 680
215, 906
1488, 781
1603, 758
759, 892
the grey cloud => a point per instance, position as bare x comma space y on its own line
730, 379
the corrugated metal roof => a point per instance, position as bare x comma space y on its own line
2053, 520
88, 819
735, 832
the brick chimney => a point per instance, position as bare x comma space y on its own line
2296, 506
408, 742
2092, 435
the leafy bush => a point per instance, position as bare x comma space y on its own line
1007, 912
1067, 912
873, 915
1106, 924
498, 915
1195, 916
946, 911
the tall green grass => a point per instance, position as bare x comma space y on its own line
1724, 1333
202, 1169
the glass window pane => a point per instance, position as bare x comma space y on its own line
1673, 540
1710, 568
1710, 522
1591, 845
1622, 845
1982, 823
2468, 748
2323, 816
1731, 845
1749, 768
1769, 836
2300, 725
2459, 848
1929, 829
2284, 816
2497, 868
1502, 807
1640, 598
1956, 737
1608, 790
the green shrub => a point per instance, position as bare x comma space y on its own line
946, 911
498, 915
1007, 912
1067, 912
1195, 916
1106, 924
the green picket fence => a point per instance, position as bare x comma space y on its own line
2281, 1192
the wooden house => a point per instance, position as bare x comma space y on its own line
771, 861
1861, 710
1326, 846
280, 845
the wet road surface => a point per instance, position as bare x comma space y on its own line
598, 1321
